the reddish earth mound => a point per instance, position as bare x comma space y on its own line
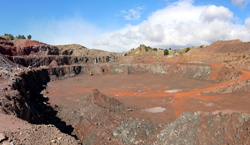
26, 42
53, 63
98, 97
233, 46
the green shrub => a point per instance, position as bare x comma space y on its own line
201, 46
23, 37
155, 49
166, 52
29, 37
10, 37
170, 48
187, 49
20, 37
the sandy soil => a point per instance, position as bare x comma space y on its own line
11, 123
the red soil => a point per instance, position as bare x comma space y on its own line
26, 42
138, 92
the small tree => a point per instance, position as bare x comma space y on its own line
23, 37
187, 49
170, 48
155, 49
166, 52
18, 37
11, 37
29, 37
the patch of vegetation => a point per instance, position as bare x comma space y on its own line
155, 49
132, 49
244, 56
9, 36
187, 49
228, 54
20, 37
147, 48
201, 46
166, 52
29, 37
170, 48
227, 61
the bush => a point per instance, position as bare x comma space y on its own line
155, 49
166, 52
23, 37
10, 37
170, 48
187, 49
20, 37
201, 46
29, 37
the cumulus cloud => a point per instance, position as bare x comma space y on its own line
247, 22
213, 12
132, 14
241, 3
180, 24
101, 42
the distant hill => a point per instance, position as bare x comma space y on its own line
230, 46
146, 51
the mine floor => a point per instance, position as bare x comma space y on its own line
160, 99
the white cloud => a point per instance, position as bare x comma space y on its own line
180, 24
213, 12
241, 3
132, 14
247, 23
101, 42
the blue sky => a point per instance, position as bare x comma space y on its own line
121, 25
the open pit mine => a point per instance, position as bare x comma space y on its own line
70, 94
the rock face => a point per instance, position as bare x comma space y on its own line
206, 128
6, 47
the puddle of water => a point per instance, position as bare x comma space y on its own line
154, 110
209, 104
172, 91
